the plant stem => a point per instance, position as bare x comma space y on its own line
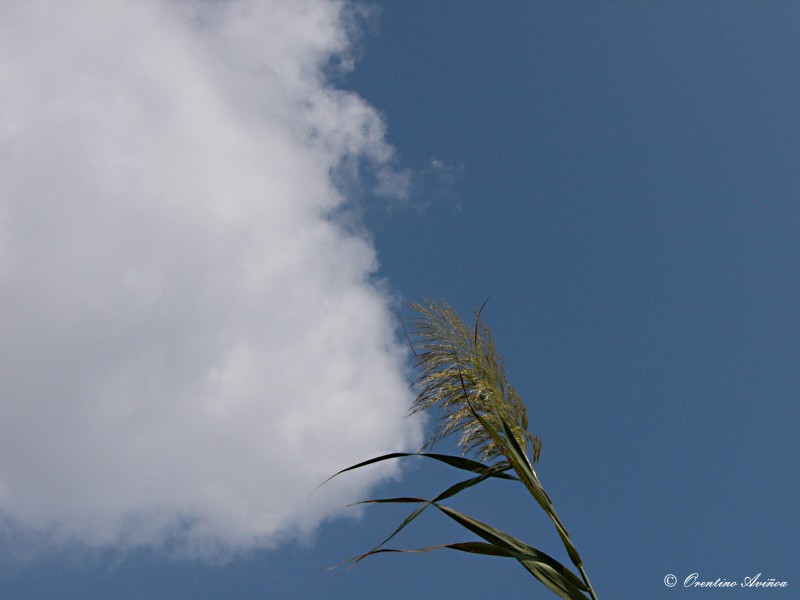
587, 582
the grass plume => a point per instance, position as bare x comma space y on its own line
459, 366
463, 377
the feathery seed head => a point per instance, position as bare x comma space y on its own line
461, 372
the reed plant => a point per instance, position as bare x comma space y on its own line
462, 376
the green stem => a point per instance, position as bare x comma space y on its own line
559, 525
587, 582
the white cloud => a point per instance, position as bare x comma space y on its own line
189, 343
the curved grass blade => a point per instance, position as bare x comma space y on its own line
479, 548
545, 568
468, 483
522, 466
470, 547
397, 500
414, 514
514, 546
458, 462
448, 493
542, 497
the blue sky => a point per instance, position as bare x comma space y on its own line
621, 180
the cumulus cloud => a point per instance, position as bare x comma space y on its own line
189, 342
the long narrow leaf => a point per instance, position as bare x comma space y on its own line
448, 493
541, 495
398, 529
520, 463
479, 548
468, 483
546, 569
520, 548
470, 547
551, 580
398, 500
458, 462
